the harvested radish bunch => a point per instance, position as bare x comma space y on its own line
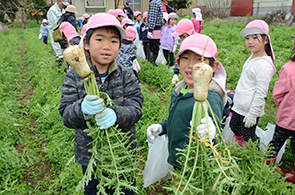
112, 162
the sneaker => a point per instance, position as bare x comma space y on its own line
154, 64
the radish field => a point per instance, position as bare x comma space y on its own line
36, 149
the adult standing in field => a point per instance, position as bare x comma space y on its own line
69, 16
53, 16
155, 23
198, 20
128, 11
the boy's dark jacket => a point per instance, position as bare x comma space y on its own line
122, 87
143, 31
180, 114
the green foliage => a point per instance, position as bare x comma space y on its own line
179, 4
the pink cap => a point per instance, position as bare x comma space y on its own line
119, 12
104, 19
112, 12
196, 43
68, 29
257, 27
85, 16
83, 29
184, 26
172, 15
130, 33
136, 13
126, 21
144, 15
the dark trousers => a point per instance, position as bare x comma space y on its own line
147, 51
238, 127
169, 56
45, 38
91, 189
280, 136
154, 46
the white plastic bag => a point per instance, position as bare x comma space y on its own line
136, 40
135, 65
40, 36
266, 136
156, 166
140, 52
161, 59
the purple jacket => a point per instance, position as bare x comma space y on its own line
166, 40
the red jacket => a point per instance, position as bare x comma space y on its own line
164, 6
198, 25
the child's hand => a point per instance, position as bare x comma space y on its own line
92, 105
174, 48
153, 131
249, 120
202, 128
106, 118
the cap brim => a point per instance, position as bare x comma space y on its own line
65, 3
251, 31
197, 51
175, 34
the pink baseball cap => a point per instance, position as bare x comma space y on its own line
85, 16
112, 12
126, 21
69, 30
257, 27
104, 19
119, 12
196, 43
83, 29
172, 15
136, 13
184, 26
144, 15
130, 33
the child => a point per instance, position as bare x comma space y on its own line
253, 83
182, 100
44, 30
85, 18
168, 42
119, 14
143, 31
126, 22
283, 94
184, 29
102, 39
137, 20
128, 50
198, 20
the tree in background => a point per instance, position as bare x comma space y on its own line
179, 4
22, 9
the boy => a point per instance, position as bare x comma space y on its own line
182, 100
102, 41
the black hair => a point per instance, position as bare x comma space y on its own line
267, 45
126, 3
111, 29
211, 61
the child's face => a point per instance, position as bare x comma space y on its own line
255, 43
183, 36
104, 47
185, 64
120, 18
172, 21
126, 26
138, 17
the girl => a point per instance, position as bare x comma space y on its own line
253, 83
126, 22
182, 99
102, 40
198, 20
143, 37
44, 30
137, 20
168, 42
283, 94
184, 29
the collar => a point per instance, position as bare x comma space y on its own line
113, 66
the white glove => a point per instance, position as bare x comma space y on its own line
202, 128
153, 131
249, 120
174, 48
140, 42
175, 79
150, 35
